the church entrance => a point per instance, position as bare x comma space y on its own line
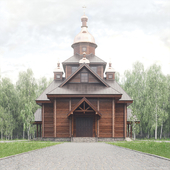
84, 126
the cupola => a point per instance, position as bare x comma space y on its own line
84, 59
110, 72
84, 41
58, 72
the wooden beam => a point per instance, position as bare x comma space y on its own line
98, 107
42, 120
72, 126
40, 131
125, 119
86, 95
96, 125
55, 115
70, 104
70, 118
84, 111
37, 130
81, 108
113, 118
88, 108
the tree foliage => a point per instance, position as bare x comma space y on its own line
17, 104
150, 91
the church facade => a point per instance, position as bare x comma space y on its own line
86, 102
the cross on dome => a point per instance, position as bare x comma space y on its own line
84, 7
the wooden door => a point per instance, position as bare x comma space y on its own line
84, 126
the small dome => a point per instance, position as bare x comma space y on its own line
84, 36
84, 16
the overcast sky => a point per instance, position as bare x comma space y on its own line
36, 33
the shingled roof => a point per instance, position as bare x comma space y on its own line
77, 57
115, 85
76, 88
37, 115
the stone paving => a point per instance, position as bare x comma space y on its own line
84, 156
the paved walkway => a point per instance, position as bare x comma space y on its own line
84, 156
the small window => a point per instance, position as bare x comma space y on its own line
84, 77
110, 76
73, 69
94, 69
58, 76
84, 49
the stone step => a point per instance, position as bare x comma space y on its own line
128, 139
84, 139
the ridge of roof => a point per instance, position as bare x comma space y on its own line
78, 69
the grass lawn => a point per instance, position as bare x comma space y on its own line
13, 148
156, 148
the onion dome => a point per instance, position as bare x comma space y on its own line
110, 68
58, 69
84, 59
84, 35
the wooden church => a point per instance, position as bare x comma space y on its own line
87, 102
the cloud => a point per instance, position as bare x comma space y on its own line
37, 32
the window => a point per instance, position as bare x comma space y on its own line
84, 77
73, 69
58, 76
84, 49
94, 69
110, 76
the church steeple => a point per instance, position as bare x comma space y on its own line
84, 41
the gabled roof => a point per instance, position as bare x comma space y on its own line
88, 102
88, 68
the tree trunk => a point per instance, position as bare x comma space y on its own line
1, 134
148, 134
161, 130
23, 134
156, 125
28, 134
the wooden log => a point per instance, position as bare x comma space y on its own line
40, 131
42, 120
70, 118
55, 113
125, 119
98, 107
113, 118
72, 124
37, 130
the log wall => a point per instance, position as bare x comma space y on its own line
105, 123
48, 120
105, 128
119, 120
62, 121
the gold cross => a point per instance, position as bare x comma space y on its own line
84, 7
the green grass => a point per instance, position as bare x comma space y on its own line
13, 148
156, 148
153, 139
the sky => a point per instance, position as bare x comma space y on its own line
37, 33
